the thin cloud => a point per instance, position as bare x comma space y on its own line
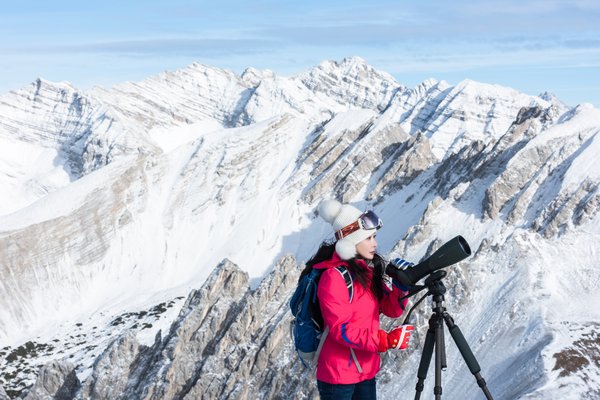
582, 43
440, 63
190, 47
521, 8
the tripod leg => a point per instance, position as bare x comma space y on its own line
425, 358
440, 357
467, 354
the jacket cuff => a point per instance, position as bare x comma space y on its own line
383, 341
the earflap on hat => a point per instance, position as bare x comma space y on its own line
345, 249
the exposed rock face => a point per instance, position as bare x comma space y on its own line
56, 381
228, 342
542, 162
402, 164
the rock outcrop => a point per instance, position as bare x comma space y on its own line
56, 381
228, 342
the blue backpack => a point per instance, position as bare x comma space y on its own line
307, 329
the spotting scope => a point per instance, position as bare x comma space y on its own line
451, 252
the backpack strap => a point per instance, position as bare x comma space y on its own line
353, 354
321, 343
348, 279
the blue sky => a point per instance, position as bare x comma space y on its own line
530, 45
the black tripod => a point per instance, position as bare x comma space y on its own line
435, 339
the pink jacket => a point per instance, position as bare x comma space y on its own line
352, 325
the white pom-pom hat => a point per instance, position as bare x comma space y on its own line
340, 216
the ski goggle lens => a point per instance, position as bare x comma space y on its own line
368, 221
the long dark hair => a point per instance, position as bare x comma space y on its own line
325, 252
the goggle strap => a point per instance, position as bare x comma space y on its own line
372, 222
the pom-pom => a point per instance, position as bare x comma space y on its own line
329, 210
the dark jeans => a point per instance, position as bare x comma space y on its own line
365, 390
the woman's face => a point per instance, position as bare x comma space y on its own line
366, 249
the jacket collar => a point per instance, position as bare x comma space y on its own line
336, 261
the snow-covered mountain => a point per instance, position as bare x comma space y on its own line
120, 203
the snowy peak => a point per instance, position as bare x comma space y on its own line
189, 95
453, 117
426, 86
48, 108
253, 76
551, 98
52, 134
352, 67
40, 83
352, 81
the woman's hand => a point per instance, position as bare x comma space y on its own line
397, 338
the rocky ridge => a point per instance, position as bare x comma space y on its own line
223, 344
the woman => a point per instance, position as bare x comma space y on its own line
349, 358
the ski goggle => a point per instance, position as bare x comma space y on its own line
368, 221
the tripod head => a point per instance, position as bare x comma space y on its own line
435, 287
432, 279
